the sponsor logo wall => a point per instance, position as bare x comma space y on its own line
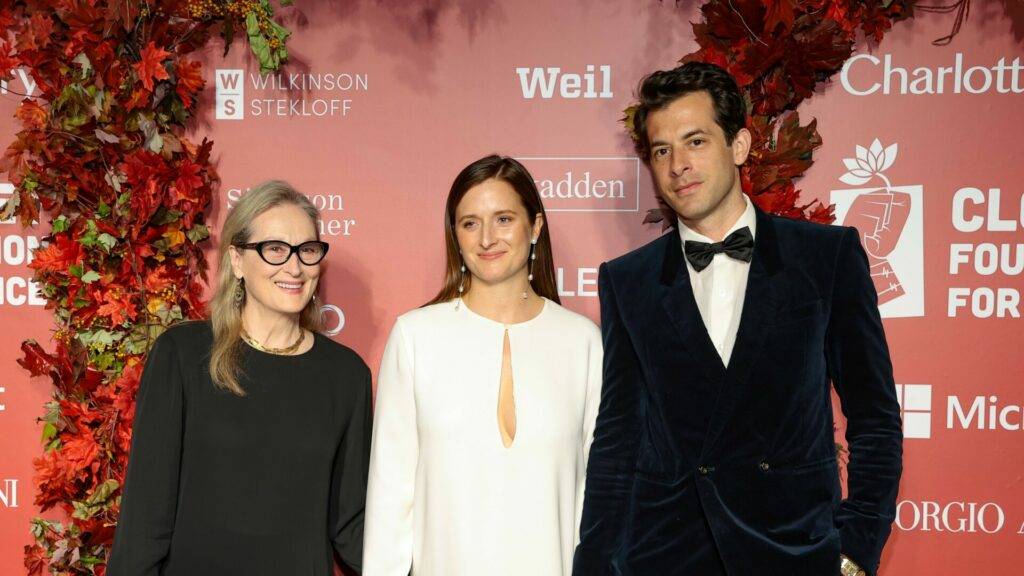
378, 116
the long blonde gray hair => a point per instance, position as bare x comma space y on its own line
225, 308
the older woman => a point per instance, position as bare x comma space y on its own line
252, 430
486, 401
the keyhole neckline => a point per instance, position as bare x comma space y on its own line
503, 325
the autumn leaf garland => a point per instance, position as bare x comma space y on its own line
779, 51
101, 151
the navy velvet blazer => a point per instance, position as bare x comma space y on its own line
694, 460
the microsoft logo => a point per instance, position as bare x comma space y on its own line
916, 409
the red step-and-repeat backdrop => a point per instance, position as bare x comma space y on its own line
383, 103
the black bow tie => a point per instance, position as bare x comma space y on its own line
738, 245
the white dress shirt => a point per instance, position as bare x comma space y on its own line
720, 288
446, 497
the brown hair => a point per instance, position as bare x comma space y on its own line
225, 312
661, 88
515, 174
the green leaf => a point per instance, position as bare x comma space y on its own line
83, 61
198, 233
107, 241
88, 238
103, 209
165, 216
97, 501
49, 432
90, 277
99, 339
154, 142
60, 224
103, 361
75, 270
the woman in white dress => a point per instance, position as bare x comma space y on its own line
486, 401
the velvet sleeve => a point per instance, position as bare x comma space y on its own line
613, 454
861, 371
150, 495
349, 477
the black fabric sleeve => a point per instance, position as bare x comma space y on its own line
150, 495
613, 454
349, 476
861, 371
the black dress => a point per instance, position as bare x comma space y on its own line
265, 484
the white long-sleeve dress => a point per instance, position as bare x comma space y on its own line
446, 497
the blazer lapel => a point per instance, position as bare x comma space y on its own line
681, 307
758, 304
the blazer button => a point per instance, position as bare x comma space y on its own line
765, 466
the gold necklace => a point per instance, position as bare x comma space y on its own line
279, 351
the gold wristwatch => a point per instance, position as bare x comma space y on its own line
849, 568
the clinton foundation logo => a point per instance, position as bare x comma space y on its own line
890, 220
241, 94
583, 184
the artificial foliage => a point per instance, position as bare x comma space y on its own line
780, 51
102, 155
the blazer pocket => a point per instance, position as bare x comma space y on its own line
656, 478
799, 467
798, 313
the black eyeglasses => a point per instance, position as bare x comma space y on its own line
277, 252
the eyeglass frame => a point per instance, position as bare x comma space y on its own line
258, 247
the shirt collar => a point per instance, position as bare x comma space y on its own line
748, 219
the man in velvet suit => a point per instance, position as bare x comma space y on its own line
713, 452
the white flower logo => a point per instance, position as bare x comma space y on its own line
869, 162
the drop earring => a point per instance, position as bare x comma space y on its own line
533, 258
239, 293
462, 285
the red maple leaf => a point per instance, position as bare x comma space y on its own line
36, 559
188, 180
150, 65
37, 361
142, 166
779, 12
8, 59
36, 33
6, 19
159, 278
117, 307
190, 80
58, 256
31, 114
81, 449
